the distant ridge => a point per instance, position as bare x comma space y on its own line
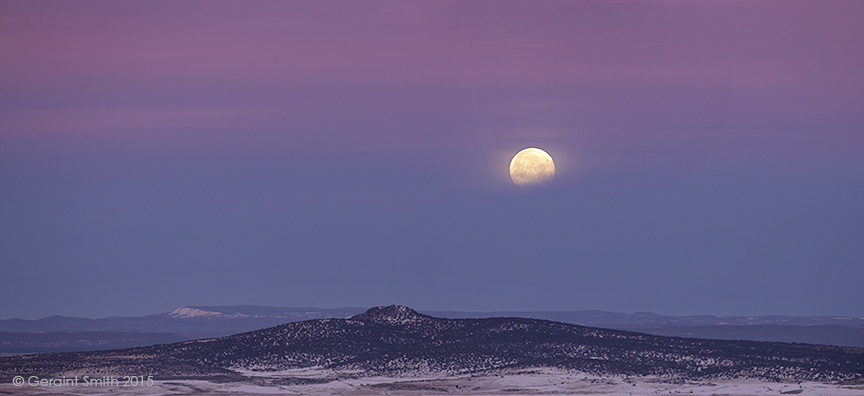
396, 340
647, 319
194, 322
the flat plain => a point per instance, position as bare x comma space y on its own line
537, 381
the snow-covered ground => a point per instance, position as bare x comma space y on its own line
508, 382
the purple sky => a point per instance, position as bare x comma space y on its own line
709, 154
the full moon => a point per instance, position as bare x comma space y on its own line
531, 167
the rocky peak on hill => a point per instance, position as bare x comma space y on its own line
391, 314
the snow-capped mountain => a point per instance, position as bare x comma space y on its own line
66, 334
396, 340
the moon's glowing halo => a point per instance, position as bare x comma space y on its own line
531, 167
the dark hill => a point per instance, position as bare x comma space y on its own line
396, 340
